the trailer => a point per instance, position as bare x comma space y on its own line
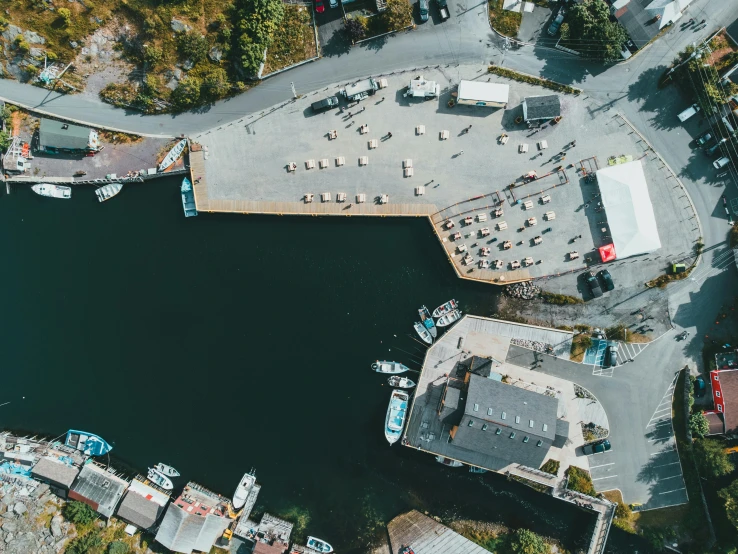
360, 90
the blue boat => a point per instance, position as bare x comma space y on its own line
425, 317
396, 412
188, 198
89, 443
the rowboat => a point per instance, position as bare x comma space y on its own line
449, 318
389, 367
423, 332
89, 443
173, 155
106, 192
400, 382
449, 306
427, 320
52, 191
160, 479
164, 469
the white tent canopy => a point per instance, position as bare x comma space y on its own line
629, 209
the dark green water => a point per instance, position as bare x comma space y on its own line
221, 343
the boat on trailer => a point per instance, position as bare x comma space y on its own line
425, 317
188, 198
160, 479
423, 332
52, 191
173, 155
400, 382
319, 544
89, 443
106, 192
396, 411
443, 309
243, 490
389, 367
164, 469
449, 318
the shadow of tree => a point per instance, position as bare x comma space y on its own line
338, 45
376, 43
664, 103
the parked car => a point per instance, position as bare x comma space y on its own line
721, 162
678, 268
594, 285
319, 6
333, 3
556, 23
423, 5
596, 447
699, 387
611, 356
325, 104
607, 279
714, 148
443, 9
702, 140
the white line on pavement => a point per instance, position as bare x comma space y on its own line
608, 477
675, 490
663, 465
603, 465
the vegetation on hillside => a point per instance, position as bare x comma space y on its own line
503, 21
712, 461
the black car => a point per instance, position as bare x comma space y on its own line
594, 285
607, 279
702, 140
597, 447
325, 104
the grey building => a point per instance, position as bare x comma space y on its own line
98, 488
56, 137
57, 475
537, 108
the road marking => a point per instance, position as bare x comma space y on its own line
675, 490
659, 421
664, 465
659, 439
603, 465
608, 477
662, 409
673, 477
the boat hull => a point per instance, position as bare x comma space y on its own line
425, 317
423, 333
188, 198
173, 155
89, 443
448, 319
389, 368
108, 191
243, 490
166, 470
401, 382
394, 422
449, 306
319, 544
52, 191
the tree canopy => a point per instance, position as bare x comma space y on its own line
524, 541
730, 495
78, 513
398, 15
711, 458
187, 93
590, 31
698, 425
257, 22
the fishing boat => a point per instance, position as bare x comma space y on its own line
52, 191
164, 469
243, 489
188, 198
423, 332
449, 306
400, 382
89, 443
108, 191
389, 367
449, 318
319, 544
395, 419
448, 462
425, 317
173, 155
160, 479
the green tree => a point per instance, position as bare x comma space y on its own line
592, 33
730, 495
5, 140
118, 547
698, 425
524, 541
252, 54
66, 15
153, 54
711, 458
354, 30
3, 23
214, 84
84, 544
399, 14
187, 93
78, 513
193, 45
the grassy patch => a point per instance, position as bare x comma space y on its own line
559, 299
551, 466
503, 21
620, 332
579, 345
625, 518
293, 42
579, 480
514, 75
113, 137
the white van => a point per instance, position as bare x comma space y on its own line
689, 112
721, 162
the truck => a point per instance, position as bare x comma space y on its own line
325, 104
421, 88
360, 89
443, 9
689, 112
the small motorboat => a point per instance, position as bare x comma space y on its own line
423, 332
52, 191
164, 469
427, 320
448, 462
106, 192
400, 382
243, 489
89, 443
173, 155
319, 544
160, 479
449, 318
396, 411
475, 469
389, 367
449, 306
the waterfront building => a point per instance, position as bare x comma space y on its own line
540, 108
99, 488
424, 535
272, 535
142, 504
474, 93
56, 137
55, 473
194, 521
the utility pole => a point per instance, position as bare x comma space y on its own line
294, 93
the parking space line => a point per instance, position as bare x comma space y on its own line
664, 465
603, 465
672, 477
656, 422
608, 477
675, 490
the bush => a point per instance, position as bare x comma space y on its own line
193, 46
551, 466
559, 299
592, 33
515, 76
354, 30
187, 93
580, 481
66, 15
21, 44
398, 15
118, 547
711, 459
83, 544
698, 425
214, 84
3, 23
78, 513
153, 55
524, 541
257, 21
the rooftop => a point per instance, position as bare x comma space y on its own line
427, 536
138, 510
541, 107
100, 489
57, 134
55, 472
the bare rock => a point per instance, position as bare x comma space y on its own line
11, 32
56, 530
10, 526
33, 38
187, 65
215, 54
22, 545
179, 26
20, 508
9, 538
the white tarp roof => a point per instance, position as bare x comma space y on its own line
629, 209
484, 92
669, 10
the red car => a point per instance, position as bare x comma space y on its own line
319, 7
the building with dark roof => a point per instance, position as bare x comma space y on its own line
142, 504
643, 19
58, 475
98, 488
723, 419
427, 536
55, 137
537, 108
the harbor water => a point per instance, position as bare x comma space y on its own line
225, 342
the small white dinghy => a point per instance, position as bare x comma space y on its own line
423, 333
400, 382
389, 367
319, 545
448, 319
106, 192
173, 155
166, 470
449, 306
160, 479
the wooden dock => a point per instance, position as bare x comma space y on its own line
426, 536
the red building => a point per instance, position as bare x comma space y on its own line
723, 419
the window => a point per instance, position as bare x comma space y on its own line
539, 443
720, 407
526, 439
489, 411
476, 407
484, 427
504, 415
716, 377
517, 419
471, 423
530, 423
545, 427
512, 435
717, 393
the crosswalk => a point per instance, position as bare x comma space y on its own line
627, 351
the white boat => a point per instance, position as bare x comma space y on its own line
389, 367
423, 332
425, 317
243, 489
448, 462
166, 470
449, 306
400, 382
319, 544
108, 191
52, 191
396, 411
449, 318
173, 155
160, 479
